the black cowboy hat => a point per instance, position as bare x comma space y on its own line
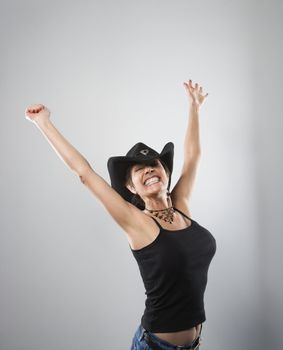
139, 153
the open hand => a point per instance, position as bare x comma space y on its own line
195, 94
37, 111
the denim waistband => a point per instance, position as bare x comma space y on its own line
141, 332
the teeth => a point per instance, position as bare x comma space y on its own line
152, 180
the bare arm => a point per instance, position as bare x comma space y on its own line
121, 210
196, 97
192, 149
66, 152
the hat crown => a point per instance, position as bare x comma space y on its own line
141, 151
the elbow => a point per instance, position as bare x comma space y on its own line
82, 179
197, 153
82, 173
194, 155
85, 173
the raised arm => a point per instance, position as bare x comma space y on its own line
192, 149
118, 208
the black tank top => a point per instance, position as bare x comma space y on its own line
174, 271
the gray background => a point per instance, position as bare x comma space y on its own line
112, 74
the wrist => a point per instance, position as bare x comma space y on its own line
194, 105
42, 122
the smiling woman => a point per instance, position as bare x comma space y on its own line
173, 262
172, 250
135, 168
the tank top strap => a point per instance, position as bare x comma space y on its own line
182, 213
157, 223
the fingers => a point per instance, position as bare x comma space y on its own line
34, 108
189, 85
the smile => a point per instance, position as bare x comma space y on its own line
152, 181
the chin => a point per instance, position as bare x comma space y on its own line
157, 189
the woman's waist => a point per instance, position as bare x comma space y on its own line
181, 338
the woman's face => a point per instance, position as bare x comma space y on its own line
140, 174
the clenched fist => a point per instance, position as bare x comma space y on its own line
37, 112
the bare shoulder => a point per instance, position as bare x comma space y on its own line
138, 226
141, 229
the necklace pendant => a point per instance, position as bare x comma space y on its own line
165, 214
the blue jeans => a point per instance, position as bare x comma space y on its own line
139, 341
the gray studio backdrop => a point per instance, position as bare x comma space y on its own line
112, 74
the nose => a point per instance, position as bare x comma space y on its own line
149, 168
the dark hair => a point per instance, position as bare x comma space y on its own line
136, 199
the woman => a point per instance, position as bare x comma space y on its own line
172, 250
